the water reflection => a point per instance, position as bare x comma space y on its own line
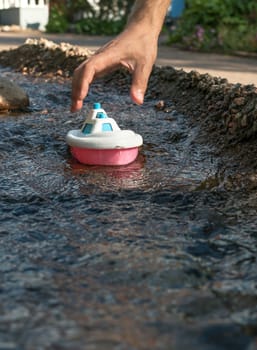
124, 177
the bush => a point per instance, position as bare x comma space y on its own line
217, 24
57, 21
106, 17
95, 26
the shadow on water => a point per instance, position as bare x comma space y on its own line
159, 254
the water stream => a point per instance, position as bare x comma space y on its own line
159, 254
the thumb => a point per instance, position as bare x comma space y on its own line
140, 79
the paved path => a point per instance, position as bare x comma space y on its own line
234, 68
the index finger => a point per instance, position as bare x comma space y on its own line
82, 78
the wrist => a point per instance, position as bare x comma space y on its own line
148, 15
141, 30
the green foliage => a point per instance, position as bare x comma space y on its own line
218, 24
95, 26
107, 17
57, 22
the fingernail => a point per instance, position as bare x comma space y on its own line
140, 96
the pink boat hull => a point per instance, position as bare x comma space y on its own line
105, 156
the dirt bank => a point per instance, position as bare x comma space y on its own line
41, 57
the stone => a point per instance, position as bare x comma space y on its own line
12, 97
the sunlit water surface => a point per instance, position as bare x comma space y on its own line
153, 255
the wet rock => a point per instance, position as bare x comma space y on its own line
12, 97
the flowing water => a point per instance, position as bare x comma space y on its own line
159, 254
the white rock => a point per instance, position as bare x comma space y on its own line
12, 97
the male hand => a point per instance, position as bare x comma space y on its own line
135, 49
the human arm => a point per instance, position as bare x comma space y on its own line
135, 49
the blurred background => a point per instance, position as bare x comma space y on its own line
200, 25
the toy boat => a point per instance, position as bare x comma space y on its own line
100, 141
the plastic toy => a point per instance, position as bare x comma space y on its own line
100, 141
